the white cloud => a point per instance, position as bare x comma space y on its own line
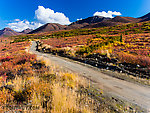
22, 25
107, 14
46, 15
17, 20
42, 16
79, 19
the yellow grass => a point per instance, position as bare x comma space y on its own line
66, 101
57, 96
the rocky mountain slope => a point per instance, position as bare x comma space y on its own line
145, 17
26, 31
49, 27
8, 32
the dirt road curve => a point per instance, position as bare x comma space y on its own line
130, 92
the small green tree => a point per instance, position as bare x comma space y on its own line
121, 38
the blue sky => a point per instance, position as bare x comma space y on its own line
24, 10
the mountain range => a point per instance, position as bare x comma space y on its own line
26, 31
90, 22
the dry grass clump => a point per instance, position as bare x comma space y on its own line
66, 101
47, 89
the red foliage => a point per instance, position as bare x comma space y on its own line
14, 60
67, 41
134, 59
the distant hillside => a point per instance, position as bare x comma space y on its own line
26, 31
49, 27
145, 17
90, 20
86, 22
113, 21
8, 32
76, 26
125, 19
102, 24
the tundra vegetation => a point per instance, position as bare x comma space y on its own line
123, 53
31, 84
28, 84
116, 48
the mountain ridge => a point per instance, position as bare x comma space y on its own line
145, 17
90, 22
8, 32
48, 27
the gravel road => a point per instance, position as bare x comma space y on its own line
136, 94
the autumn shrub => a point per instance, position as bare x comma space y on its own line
59, 95
134, 59
41, 85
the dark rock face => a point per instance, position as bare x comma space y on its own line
91, 20
145, 17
